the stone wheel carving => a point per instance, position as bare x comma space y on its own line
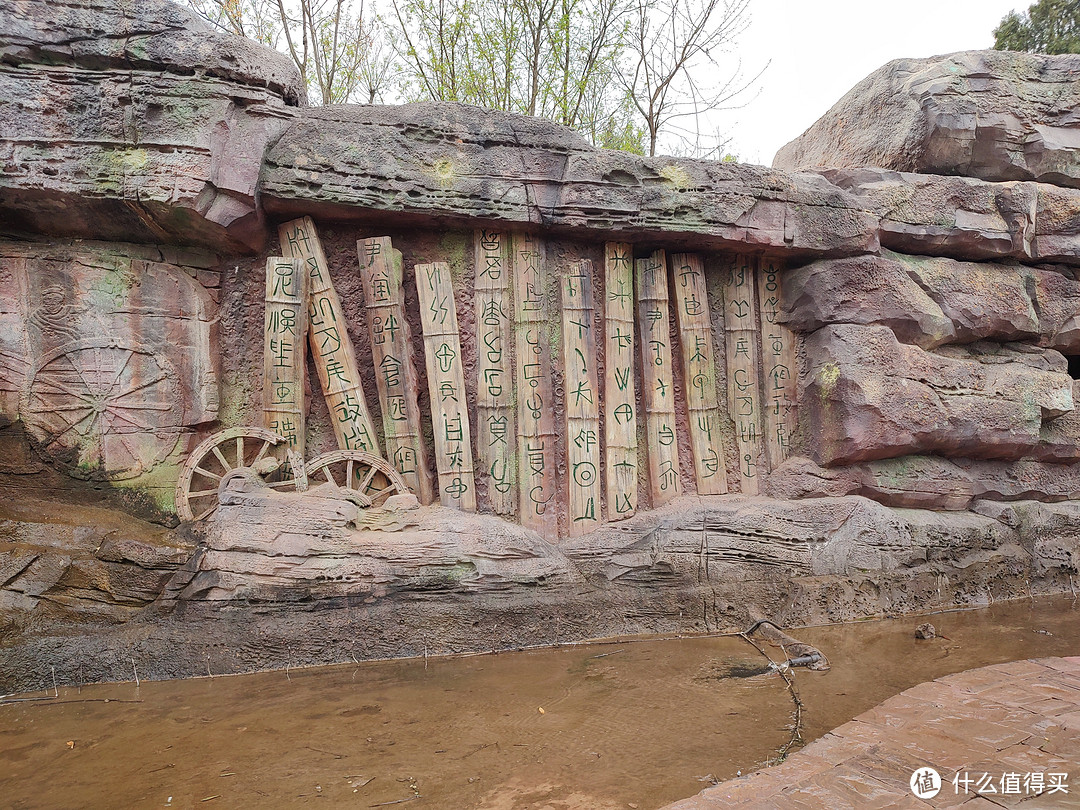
103, 409
369, 479
244, 451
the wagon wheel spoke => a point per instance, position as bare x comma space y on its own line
329, 475
63, 388
202, 493
240, 451
90, 415
145, 406
142, 425
62, 408
368, 479
225, 464
138, 388
262, 452
207, 473
79, 371
120, 373
349, 471
131, 450
375, 495
207, 513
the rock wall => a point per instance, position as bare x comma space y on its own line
869, 348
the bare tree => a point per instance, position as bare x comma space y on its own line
254, 19
674, 46
327, 39
553, 58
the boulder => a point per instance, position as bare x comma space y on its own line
981, 299
1049, 531
135, 122
863, 290
471, 166
746, 539
995, 115
869, 397
1059, 439
1022, 480
966, 218
283, 547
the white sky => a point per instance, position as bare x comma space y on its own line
821, 48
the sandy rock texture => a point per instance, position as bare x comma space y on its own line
135, 122
458, 162
988, 114
145, 164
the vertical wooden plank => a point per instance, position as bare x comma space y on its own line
446, 386
658, 390
335, 358
537, 491
699, 373
778, 365
496, 426
744, 398
395, 372
582, 399
284, 345
620, 401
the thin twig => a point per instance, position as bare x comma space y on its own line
796, 731
396, 801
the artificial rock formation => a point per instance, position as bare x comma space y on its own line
648, 394
993, 115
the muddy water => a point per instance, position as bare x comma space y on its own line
626, 725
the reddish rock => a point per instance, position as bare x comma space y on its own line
982, 300
481, 166
135, 122
966, 218
870, 397
995, 115
864, 290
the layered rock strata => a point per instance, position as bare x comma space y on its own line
879, 335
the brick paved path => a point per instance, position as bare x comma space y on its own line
1020, 718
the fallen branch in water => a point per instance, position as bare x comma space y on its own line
796, 730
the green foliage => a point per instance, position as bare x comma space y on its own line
1049, 26
618, 71
553, 58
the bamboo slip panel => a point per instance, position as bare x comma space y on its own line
778, 365
446, 386
620, 420
699, 373
496, 426
395, 372
744, 398
658, 390
284, 345
582, 413
331, 345
535, 401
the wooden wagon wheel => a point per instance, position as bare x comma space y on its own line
246, 451
368, 478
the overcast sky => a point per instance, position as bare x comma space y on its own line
821, 48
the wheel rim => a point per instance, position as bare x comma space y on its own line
367, 478
250, 448
104, 409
